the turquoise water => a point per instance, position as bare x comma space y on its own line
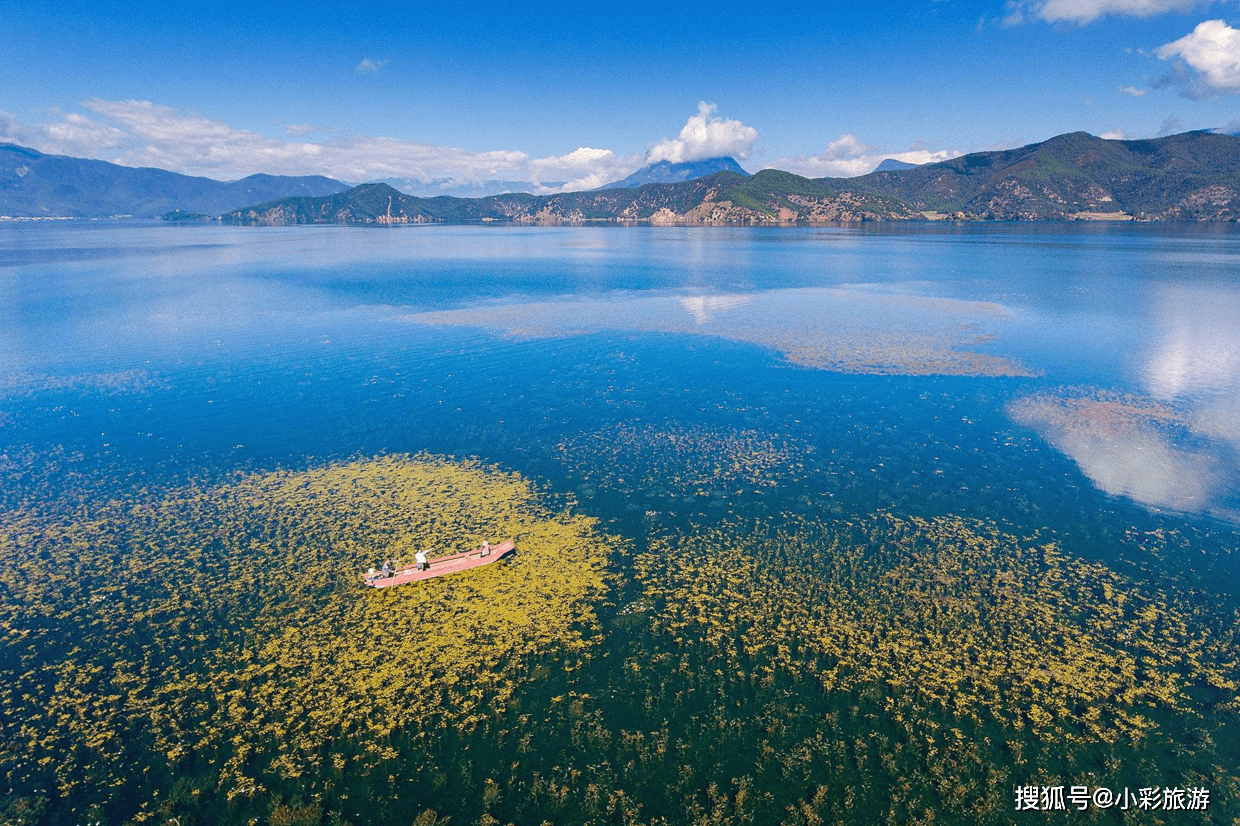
1074, 382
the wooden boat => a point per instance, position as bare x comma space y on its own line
402, 573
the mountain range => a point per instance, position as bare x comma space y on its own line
35, 184
1193, 176
666, 172
724, 197
1190, 177
892, 165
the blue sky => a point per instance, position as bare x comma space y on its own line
582, 94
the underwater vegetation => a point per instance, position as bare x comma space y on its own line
16, 383
888, 670
950, 614
678, 459
221, 633
941, 662
207, 654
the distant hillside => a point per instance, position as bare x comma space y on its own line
34, 184
1190, 177
892, 165
770, 196
665, 172
365, 204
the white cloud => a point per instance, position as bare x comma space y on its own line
704, 136
1197, 343
369, 66
1114, 135
75, 129
584, 168
1132, 90
1213, 51
69, 134
1133, 460
848, 156
1082, 12
142, 133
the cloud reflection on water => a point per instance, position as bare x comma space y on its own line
1137, 448
1177, 445
843, 329
1197, 349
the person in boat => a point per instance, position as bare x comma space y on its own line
420, 559
387, 568
486, 548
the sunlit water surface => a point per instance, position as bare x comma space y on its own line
1079, 382
977, 370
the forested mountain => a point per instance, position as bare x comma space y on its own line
1190, 177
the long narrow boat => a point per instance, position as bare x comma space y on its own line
402, 573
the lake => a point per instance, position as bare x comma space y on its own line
863, 524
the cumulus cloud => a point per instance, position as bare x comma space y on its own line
1114, 135
68, 133
585, 168
1212, 51
848, 156
1082, 12
142, 133
369, 66
77, 129
705, 136
1178, 447
1132, 90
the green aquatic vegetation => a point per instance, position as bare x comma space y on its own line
949, 614
207, 653
223, 630
683, 460
891, 670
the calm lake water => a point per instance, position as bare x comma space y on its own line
1079, 383
1089, 372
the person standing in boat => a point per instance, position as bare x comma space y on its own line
420, 559
387, 568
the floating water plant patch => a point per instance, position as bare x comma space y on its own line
223, 632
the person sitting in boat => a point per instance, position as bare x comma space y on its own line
486, 549
420, 558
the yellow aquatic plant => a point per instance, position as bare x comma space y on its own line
942, 614
227, 625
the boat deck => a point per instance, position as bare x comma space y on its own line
441, 566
